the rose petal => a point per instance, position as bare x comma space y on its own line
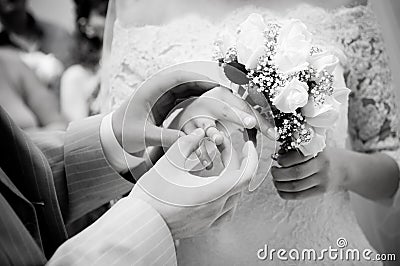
292, 96
341, 94
316, 145
324, 61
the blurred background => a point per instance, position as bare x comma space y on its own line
50, 57
56, 47
61, 12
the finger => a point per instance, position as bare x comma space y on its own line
203, 155
192, 89
189, 127
209, 127
292, 158
298, 185
314, 191
185, 146
232, 181
227, 112
175, 96
295, 172
248, 167
246, 120
158, 136
227, 96
167, 79
266, 127
229, 156
215, 135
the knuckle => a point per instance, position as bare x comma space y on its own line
281, 160
293, 185
185, 141
275, 172
295, 171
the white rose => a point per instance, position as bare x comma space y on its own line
316, 144
250, 43
324, 61
326, 115
292, 96
293, 47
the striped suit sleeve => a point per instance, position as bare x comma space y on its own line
130, 233
91, 180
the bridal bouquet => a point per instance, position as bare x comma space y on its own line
284, 71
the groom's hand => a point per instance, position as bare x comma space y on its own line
136, 123
190, 204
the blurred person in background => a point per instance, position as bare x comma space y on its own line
34, 54
80, 82
29, 103
23, 31
43, 46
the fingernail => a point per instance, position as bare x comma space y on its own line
249, 122
198, 132
246, 147
272, 133
218, 139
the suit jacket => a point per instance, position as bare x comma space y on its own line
47, 181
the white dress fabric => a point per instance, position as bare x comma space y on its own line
262, 217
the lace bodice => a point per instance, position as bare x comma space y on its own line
354, 31
372, 112
263, 217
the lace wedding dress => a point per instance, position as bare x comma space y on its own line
263, 218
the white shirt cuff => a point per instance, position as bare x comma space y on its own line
118, 158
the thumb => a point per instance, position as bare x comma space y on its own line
188, 144
158, 136
180, 151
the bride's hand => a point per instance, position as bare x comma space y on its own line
211, 110
301, 176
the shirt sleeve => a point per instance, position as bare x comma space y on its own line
130, 233
118, 158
